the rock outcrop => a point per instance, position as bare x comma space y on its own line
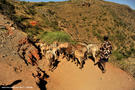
15, 45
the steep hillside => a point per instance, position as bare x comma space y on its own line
81, 22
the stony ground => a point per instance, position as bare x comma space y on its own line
12, 66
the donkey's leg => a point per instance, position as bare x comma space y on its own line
94, 56
68, 57
82, 61
76, 61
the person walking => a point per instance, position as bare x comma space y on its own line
105, 52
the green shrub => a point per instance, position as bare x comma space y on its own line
51, 2
23, 2
84, 18
117, 55
133, 37
95, 33
39, 4
51, 12
30, 10
54, 25
50, 37
120, 36
123, 65
19, 19
6, 8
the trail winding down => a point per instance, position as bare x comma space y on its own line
69, 77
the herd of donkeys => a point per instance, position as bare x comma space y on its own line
76, 53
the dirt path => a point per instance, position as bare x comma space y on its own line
8, 76
68, 77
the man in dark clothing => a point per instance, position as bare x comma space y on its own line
105, 52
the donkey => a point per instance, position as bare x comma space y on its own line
80, 54
50, 56
42, 47
92, 49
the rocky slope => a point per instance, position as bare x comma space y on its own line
15, 67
